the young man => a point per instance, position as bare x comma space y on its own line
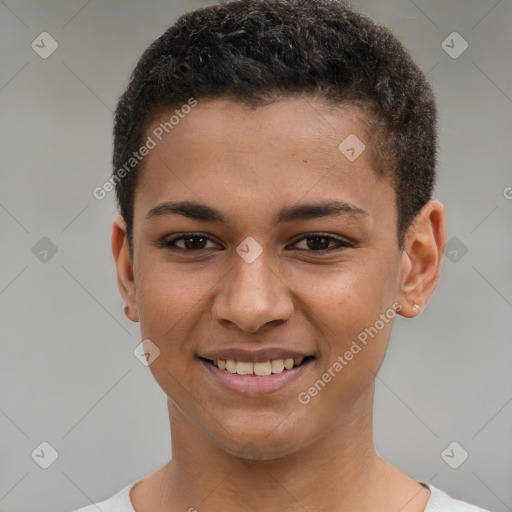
274, 164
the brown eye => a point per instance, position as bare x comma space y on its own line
187, 242
320, 242
194, 242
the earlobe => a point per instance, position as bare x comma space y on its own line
422, 259
124, 268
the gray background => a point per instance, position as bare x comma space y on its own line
69, 376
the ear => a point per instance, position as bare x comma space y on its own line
422, 256
124, 267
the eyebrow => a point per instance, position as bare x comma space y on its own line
198, 211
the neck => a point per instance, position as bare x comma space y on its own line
339, 471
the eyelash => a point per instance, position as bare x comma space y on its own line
170, 244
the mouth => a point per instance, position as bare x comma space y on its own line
256, 379
258, 369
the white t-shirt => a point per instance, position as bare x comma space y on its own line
439, 501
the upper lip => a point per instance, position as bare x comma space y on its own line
253, 356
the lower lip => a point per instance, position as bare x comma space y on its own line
254, 384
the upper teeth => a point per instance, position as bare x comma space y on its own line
261, 369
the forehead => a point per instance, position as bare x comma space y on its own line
288, 121
223, 150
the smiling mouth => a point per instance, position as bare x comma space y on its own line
261, 369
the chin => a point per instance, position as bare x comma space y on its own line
260, 451
261, 443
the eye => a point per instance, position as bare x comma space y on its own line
317, 242
191, 242
313, 242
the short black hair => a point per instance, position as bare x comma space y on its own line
257, 51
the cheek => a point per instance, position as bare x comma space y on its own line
166, 296
168, 306
353, 316
352, 294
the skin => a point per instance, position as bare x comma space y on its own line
248, 164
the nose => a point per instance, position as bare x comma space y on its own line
251, 296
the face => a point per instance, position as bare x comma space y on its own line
257, 240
